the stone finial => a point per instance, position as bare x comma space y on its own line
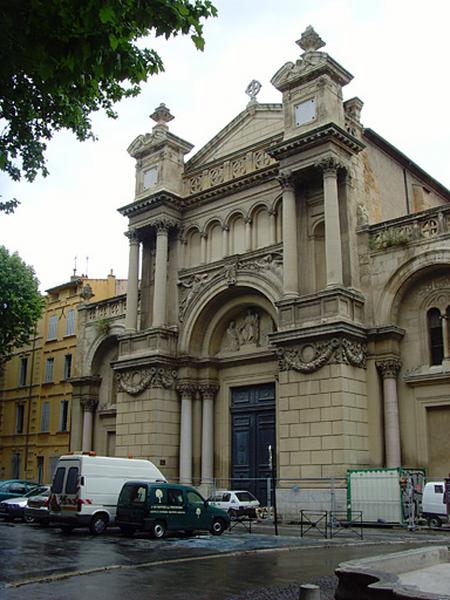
162, 115
252, 90
310, 40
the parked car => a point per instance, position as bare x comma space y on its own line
14, 488
237, 503
36, 509
162, 507
14, 508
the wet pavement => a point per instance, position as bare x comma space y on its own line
46, 564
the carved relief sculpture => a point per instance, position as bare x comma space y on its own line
135, 381
311, 357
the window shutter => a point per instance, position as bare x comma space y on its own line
45, 416
52, 323
70, 322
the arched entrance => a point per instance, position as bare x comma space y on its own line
229, 344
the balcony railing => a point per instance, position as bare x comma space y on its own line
403, 231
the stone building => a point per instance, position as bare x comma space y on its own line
289, 286
35, 393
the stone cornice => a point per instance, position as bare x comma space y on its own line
331, 292
328, 132
157, 199
316, 332
425, 377
386, 332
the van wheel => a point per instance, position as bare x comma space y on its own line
217, 527
98, 524
127, 530
434, 521
158, 530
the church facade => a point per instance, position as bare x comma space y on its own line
289, 287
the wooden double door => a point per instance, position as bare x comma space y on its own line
253, 431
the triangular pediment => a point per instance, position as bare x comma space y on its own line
254, 125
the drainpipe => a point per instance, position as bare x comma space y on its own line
30, 392
405, 183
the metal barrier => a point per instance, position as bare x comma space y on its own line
313, 521
339, 522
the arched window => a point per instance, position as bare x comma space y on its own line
435, 336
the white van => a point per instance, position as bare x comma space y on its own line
85, 489
434, 508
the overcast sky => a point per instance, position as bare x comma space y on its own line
397, 50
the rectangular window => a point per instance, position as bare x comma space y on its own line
45, 416
15, 465
67, 366
52, 323
63, 415
40, 469
20, 412
23, 371
70, 322
49, 370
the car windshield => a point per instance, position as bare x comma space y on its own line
245, 497
36, 491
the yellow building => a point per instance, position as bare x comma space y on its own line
35, 402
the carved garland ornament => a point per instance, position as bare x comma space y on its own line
136, 381
311, 357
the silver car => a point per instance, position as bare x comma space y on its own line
14, 508
36, 510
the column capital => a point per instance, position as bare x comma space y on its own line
163, 224
248, 220
186, 389
204, 235
389, 367
88, 403
133, 236
329, 165
225, 228
286, 180
208, 390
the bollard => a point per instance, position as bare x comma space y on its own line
309, 591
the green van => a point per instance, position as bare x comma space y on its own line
161, 507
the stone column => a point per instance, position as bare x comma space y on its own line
225, 230
203, 248
89, 405
186, 392
273, 226
248, 234
389, 370
290, 236
160, 291
333, 245
208, 392
445, 336
133, 281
